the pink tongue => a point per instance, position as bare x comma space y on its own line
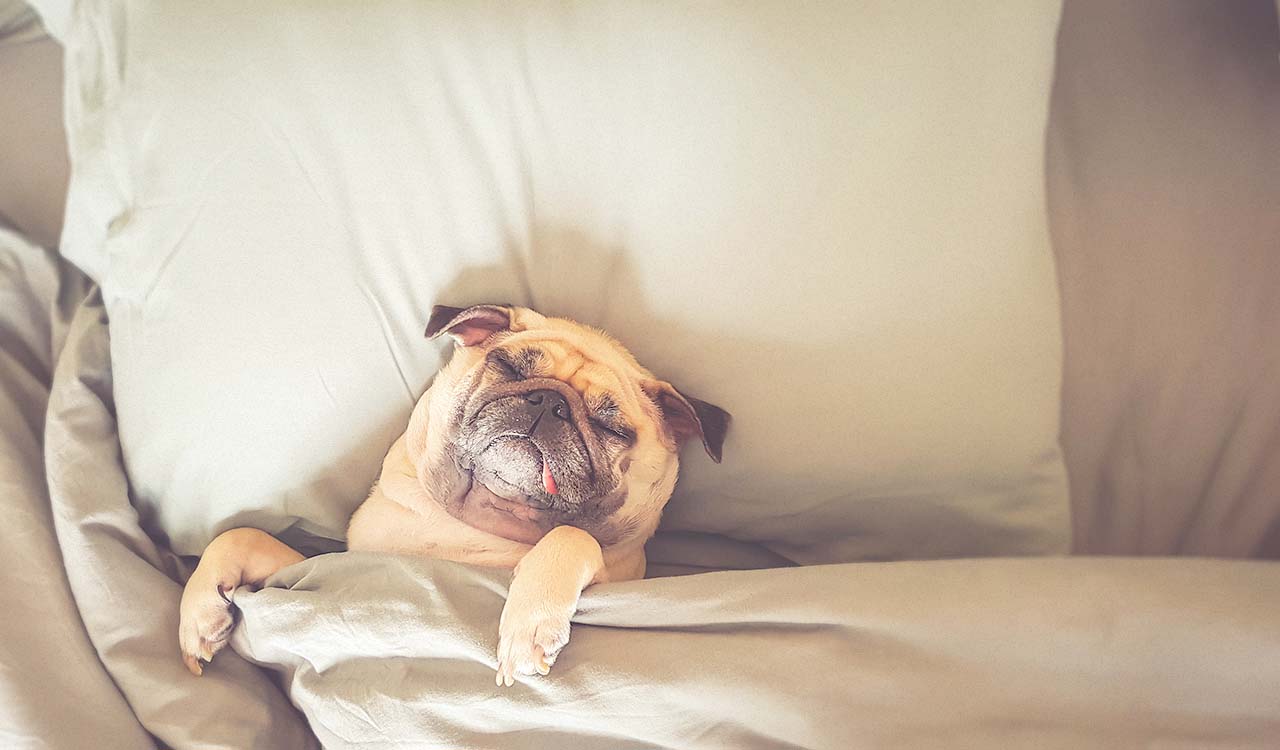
548, 481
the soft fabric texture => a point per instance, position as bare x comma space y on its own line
1164, 156
33, 150
87, 640
1059, 653
55, 15
53, 689
106, 672
998, 653
19, 23
828, 220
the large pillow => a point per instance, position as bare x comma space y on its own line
828, 219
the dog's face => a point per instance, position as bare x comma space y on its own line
538, 422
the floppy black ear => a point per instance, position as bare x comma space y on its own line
688, 417
468, 325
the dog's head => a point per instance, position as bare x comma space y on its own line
538, 422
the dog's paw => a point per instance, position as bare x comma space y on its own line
206, 618
530, 637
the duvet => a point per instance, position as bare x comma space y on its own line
347, 650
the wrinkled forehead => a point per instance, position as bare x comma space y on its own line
602, 373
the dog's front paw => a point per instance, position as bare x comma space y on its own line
206, 618
530, 636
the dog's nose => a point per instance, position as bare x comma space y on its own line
546, 400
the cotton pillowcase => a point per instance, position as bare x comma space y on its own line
828, 219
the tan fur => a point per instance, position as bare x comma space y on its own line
402, 515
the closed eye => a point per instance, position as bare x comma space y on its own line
617, 431
504, 367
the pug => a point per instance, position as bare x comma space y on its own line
543, 446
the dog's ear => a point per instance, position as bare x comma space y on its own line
468, 326
688, 417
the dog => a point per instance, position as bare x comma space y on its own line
543, 446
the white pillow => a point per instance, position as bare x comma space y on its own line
828, 219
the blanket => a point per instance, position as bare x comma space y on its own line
1061, 653
87, 641
369, 650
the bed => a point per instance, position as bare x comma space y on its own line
1160, 628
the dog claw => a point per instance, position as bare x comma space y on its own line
529, 643
206, 618
194, 665
504, 677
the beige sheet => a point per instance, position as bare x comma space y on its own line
54, 692
1164, 177
124, 586
1047, 653
1052, 652
33, 150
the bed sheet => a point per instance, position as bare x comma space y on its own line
88, 651
378, 650
999, 653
